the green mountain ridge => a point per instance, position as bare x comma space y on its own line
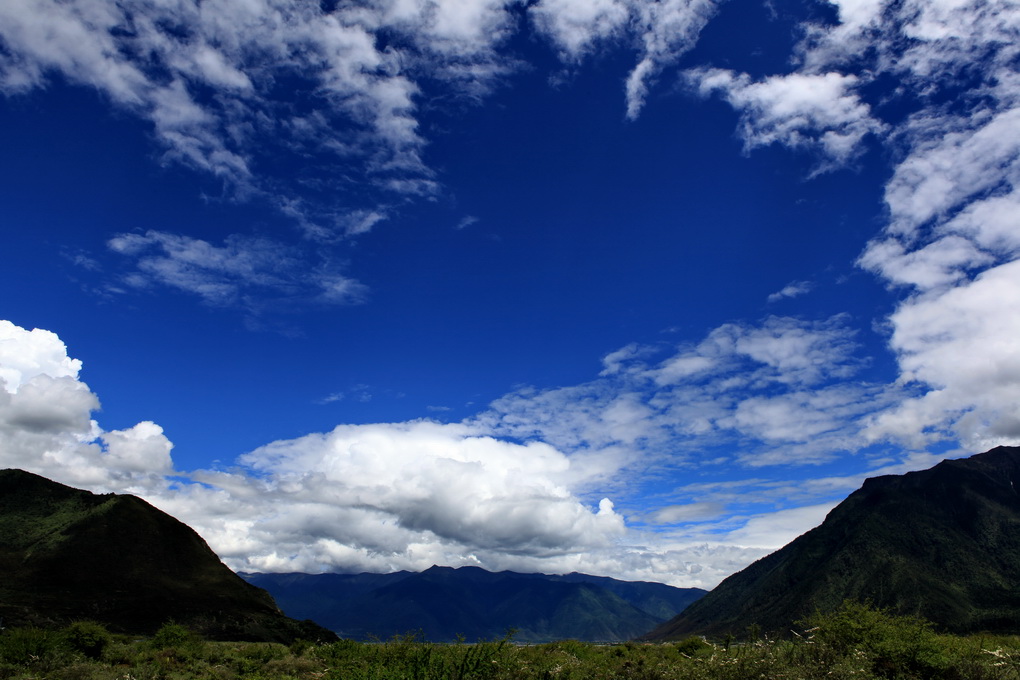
68, 554
942, 543
444, 604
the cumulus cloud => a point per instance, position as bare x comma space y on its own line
551, 480
950, 243
544, 478
960, 344
513, 488
421, 483
26, 354
398, 494
360, 497
805, 111
46, 425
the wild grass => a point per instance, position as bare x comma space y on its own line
855, 641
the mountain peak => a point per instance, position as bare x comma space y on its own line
943, 543
446, 603
70, 554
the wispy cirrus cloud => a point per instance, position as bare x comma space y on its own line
664, 29
315, 111
791, 290
780, 392
231, 88
208, 78
251, 273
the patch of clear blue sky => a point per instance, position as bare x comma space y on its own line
591, 232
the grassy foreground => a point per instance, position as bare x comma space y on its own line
853, 642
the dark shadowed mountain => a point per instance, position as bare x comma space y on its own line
444, 604
68, 554
942, 543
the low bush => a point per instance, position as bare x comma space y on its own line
888, 646
21, 646
171, 635
87, 638
695, 647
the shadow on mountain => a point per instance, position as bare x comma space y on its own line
68, 554
942, 543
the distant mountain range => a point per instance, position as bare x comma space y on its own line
445, 604
942, 543
68, 554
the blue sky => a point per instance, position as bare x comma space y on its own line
627, 287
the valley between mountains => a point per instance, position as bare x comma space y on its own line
943, 544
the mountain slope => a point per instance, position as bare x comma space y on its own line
942, 543
68, 554
443, 604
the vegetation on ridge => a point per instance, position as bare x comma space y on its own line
68, 554
943, 543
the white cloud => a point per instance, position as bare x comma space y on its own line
992, 223
207, 78
941, 263
688, 512
665, 30
576, 25
466, 222
791, 290
46, 425
249, 272
789, 418
783, 389
952, 163
806, 111
669, 28
385, 496
428, 483
376, 497
950, 243
798, 352
26, 354
961, 346
774, 530
521, 485
952, 225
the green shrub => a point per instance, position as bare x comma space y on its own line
172, 635
891, 646
22, 646
87, 638
300, 646
694, 646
